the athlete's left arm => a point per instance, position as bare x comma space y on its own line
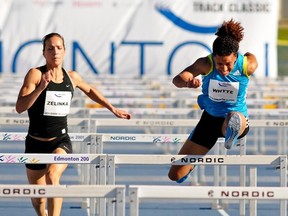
252, 63
96, 96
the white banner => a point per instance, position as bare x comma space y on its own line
133, 37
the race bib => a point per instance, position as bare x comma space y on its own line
223, 91
57, 103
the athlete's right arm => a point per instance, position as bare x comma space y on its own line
186, 78
30, 90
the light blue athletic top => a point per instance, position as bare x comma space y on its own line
223, 94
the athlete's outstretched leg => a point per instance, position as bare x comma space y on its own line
179, 172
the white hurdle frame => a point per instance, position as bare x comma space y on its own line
166, 123
140, 192
90, 140
115, 192
95, 177
168, 141
91, 125
278, 161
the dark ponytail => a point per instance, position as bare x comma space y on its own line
229, 35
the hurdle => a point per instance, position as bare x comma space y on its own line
79, 125
88, 140
280, 124
138, 193
86, 170
90, 112
180, 124
279, 161
24, 121
137, 102
98, 159
251, 102
115, 192
91, 125
136, 112
169, 143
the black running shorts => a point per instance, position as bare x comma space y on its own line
45, 147
209, 129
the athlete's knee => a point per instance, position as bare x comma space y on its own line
173, 176
37, 202
53, 177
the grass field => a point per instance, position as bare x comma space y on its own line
283, 51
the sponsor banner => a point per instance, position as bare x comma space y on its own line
132, 38
49, 158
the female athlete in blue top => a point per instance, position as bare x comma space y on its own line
225, 75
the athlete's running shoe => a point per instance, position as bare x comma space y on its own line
232, 131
